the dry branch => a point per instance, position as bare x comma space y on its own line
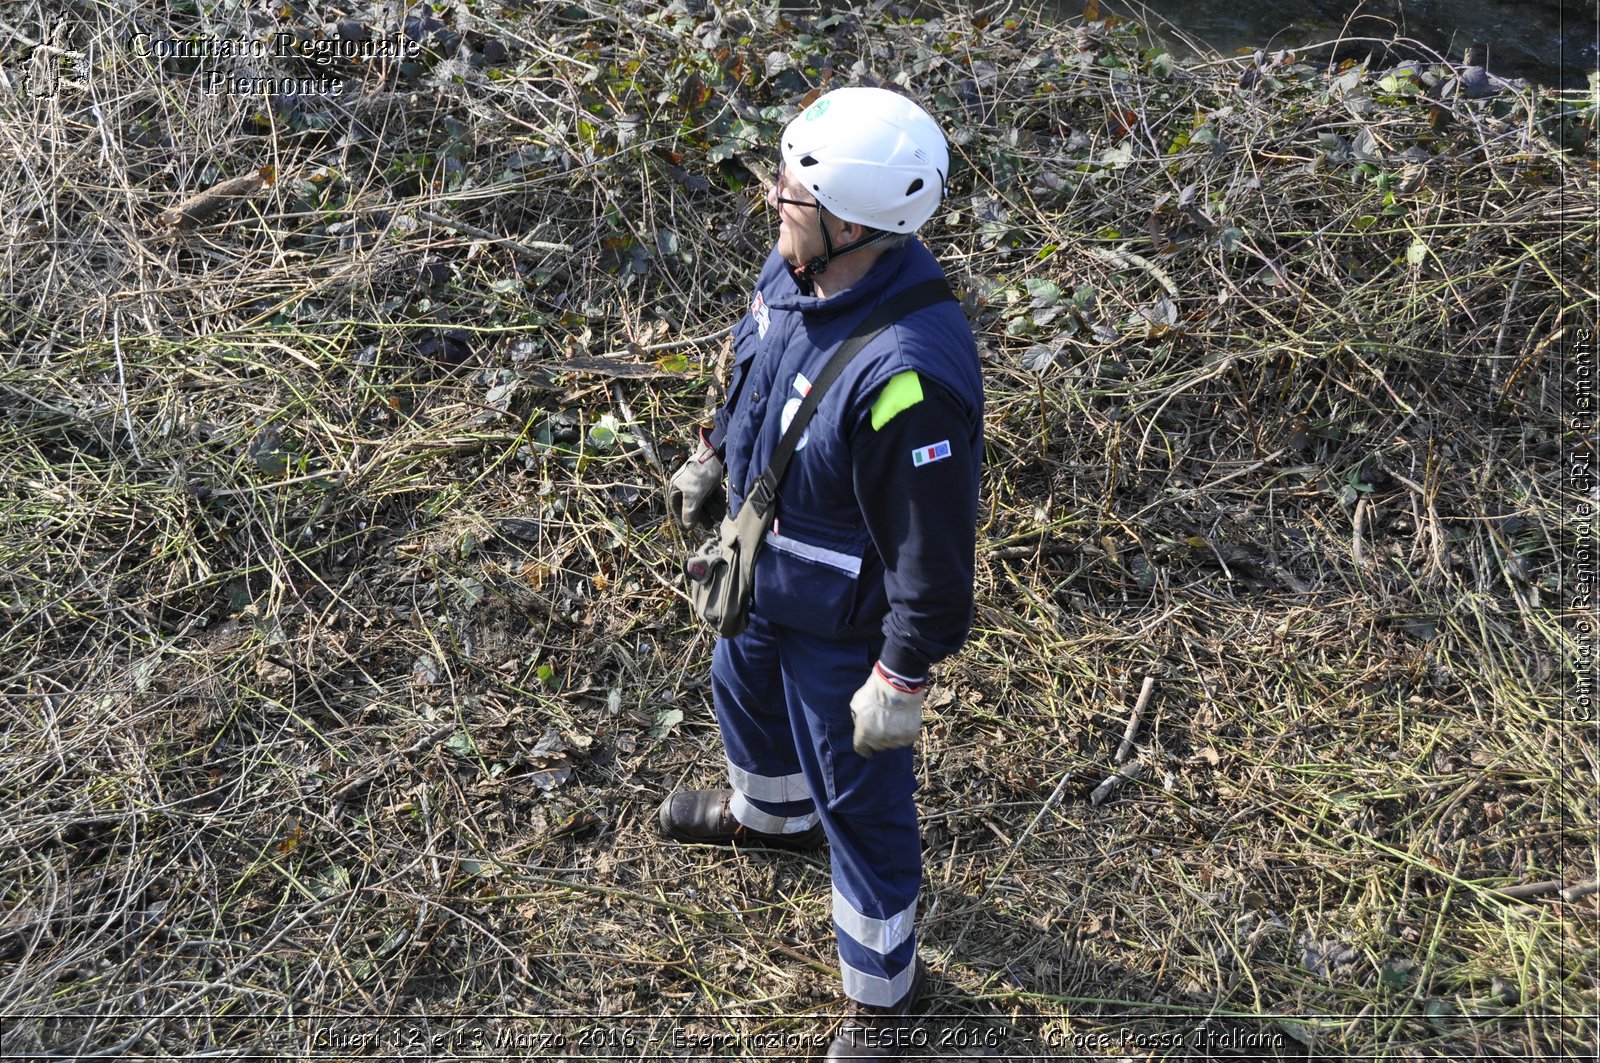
425, 742
201, 206
1127, 773
1145, 690
528, 249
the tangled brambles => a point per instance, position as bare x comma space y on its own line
345, 656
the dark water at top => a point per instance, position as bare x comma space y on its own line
1550, 42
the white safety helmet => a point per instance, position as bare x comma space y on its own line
871, 156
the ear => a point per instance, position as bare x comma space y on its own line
849, 231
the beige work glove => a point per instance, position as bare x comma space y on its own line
887, 710
693, 486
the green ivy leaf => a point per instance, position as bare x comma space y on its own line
1044, 292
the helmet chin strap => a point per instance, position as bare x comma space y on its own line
816, 266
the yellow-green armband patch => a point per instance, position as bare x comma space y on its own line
903, 391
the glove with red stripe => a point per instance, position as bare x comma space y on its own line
887, 710
694, 486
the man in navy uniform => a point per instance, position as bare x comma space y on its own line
865, 580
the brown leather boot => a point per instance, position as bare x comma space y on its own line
880, 1033
703, 816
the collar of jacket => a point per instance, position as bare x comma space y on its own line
785, 292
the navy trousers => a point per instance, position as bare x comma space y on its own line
782, 699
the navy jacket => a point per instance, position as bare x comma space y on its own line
877, 512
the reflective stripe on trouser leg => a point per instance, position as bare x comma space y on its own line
768, 787
780, 805
869, 949
868, 809
770, 792
755, 817
874, 989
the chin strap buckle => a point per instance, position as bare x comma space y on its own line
813, 268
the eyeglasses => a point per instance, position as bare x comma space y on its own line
780, 199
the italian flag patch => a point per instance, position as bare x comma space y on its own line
930, 454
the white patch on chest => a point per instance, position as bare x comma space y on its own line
790, 408
763, 316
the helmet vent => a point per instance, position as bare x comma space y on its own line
914, 187
809, 160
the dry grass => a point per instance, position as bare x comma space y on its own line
346, 665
